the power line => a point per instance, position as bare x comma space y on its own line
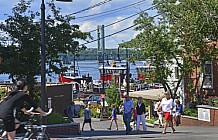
124, 7
125, 18
93, 6
114, 33
99, 16
109, 35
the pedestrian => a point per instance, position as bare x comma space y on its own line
140, 108
166, 106
113, 117
13, 100
70, 111
160, 114
155, 109
134, 117
87, 117
121, 108
178, 113
127, 113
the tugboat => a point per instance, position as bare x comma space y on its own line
113, 72
71, 75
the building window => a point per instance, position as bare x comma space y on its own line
176, 73
208, 75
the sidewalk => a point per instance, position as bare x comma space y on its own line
101, 132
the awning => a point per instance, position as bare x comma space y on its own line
153, 94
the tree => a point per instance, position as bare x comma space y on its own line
156, 44
178, 33
192, 22
20, 46
113, 96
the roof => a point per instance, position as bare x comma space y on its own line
149, 67
112, 68
153, 94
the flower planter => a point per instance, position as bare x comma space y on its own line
64, 129
207, 116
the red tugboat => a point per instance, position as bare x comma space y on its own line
72, 76
113, 72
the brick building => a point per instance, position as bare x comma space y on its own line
206, 83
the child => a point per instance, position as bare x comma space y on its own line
134, 117
121, 109
160, 114
70, 111
87, 117
177, 115
113, 117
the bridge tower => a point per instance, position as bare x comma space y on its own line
101, 43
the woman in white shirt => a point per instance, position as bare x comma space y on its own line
166, 106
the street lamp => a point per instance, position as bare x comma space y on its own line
43, 56
127, 71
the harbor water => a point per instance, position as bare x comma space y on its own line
85, 68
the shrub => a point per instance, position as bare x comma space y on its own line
55, 118
113, 96
213, 101
190, 112
94, 112
151, 121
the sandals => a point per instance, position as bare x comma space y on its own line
173, 131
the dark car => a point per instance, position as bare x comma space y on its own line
92, 98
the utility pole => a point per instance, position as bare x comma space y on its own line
102, 42
43, 55
127, 72
101, 50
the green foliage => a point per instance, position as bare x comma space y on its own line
2, 93
190, 112
55, 118
180, 32
24, 59
151, 121
94, 112
113, 96
213, 101
135, 102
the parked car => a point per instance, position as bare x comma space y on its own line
156, 86
92, 98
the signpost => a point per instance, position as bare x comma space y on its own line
204, 114
104, 109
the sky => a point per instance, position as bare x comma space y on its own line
90, 23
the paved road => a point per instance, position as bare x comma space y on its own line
101, 133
